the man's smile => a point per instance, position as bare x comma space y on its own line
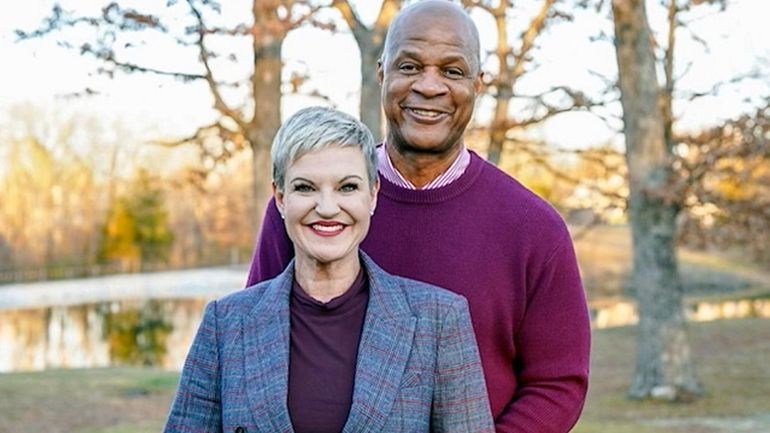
426, 115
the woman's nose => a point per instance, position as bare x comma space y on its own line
327, 205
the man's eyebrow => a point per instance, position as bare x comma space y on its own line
447, 58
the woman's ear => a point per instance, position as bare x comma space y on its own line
278, 195
374, 190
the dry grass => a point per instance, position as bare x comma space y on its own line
731, 357
731, 362
604, 254
116, 400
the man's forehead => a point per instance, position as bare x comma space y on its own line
416, 48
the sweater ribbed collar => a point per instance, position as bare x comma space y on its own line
436, 195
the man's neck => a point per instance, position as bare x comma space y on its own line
422, 168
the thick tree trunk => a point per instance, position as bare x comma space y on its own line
504, 86
370, 43
498, 128
371, 103
266, 85
664, 368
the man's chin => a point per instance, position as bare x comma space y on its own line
427, 145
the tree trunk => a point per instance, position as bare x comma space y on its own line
371, 102
504, 86
664, 368
266, 88
498, 128
370, 43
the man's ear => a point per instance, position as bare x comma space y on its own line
478, 83
380, 72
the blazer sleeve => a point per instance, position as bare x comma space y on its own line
460, 402
197, 406
273, 250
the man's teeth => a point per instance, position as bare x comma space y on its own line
429, 113
322, 228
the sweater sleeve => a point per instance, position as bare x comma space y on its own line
553, 342
273, 250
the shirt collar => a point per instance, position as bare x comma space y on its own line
388, 170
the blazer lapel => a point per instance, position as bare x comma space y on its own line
266, 355
386, 342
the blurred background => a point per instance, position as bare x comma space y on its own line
134, 171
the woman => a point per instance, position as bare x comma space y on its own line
334, 343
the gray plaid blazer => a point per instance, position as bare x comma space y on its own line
418, 367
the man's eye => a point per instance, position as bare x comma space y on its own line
454, 72
407, 67
349, 187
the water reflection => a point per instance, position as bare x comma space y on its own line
158, 332
129, 332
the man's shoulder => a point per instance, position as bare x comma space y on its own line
423, 298
512, 197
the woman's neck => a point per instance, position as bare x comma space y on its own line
326, 281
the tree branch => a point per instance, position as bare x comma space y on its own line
219, 102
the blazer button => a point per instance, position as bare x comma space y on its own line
240, 429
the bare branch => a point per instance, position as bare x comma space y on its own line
349, 15
714, 90
219, 102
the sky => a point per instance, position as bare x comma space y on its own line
42, 73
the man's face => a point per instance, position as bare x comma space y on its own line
430, 78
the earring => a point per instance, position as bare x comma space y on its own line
371, 212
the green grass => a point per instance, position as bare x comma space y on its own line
730, 355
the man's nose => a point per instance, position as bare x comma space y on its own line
327, 205
430, 83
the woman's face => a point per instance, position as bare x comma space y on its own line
326, 203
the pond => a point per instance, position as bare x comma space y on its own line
154, 332
150, 319
138, 319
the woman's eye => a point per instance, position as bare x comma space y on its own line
302, 187
349, 187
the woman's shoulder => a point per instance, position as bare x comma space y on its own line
426, 299
241, 301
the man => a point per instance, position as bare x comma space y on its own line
447, 217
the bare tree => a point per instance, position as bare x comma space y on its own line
726, 175
247, 122
513, 62
664, 366
370, 43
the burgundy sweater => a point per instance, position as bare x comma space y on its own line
488, 238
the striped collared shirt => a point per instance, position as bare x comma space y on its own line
389, 172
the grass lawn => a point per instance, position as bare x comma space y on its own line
604, 254
731, 358
112, 400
